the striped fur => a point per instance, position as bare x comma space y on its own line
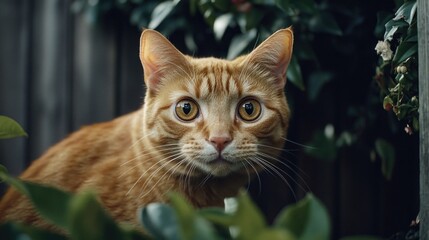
138, 158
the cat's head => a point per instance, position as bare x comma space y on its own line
213, 116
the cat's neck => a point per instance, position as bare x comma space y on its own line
203, 192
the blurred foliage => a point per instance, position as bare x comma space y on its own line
82, 217
9, 128
332, 64
237, 25
397, 74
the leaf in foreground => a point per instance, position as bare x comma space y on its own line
308, 219
50, 202
248, 218
192, 225
88, 220
160, 221
9, 128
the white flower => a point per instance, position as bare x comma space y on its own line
383, 49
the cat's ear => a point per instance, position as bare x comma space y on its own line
274, 55
159, 58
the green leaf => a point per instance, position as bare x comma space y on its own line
3, 171
307, 220
324, 22
294, 74
392, 27
88, 220
248, 218
387, 154
221, 24
316, 81
19, 231
9, 128
305, 51
217, 216
283, 4
307, 6
266, 2
415, 123
17, 184
411, 34
360, 238
223, 5
161, 12
404, 51
275, 234
193, 6
50, 202
137, 16
253, 18
345, 139
160, 221
192, 226
240, 42
407, 11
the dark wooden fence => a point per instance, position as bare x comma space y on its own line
58, 72
423, 23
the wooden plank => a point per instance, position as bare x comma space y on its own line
423, 44
359, 190
14, 58
94, 69
130, 76
50, 104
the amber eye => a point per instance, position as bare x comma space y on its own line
187, 110
249, 109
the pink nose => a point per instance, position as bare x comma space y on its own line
220, 142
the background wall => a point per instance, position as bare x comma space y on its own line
59, 72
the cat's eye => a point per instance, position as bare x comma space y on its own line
187, 110
249, 109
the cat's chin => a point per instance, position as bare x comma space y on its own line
221, 167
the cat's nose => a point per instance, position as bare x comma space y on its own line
220, 142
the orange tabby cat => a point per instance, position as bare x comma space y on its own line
207, 125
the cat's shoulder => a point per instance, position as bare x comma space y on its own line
99, 137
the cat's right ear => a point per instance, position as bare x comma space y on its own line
274, 55
159, 58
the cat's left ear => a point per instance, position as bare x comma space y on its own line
274, 55
159, 59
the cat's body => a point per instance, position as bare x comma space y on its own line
206, 127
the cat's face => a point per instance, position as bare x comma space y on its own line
212, 116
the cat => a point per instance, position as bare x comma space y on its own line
207, 126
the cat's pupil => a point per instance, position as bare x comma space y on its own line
248, 107
187, 108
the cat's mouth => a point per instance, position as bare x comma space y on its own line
221, 166
219, 160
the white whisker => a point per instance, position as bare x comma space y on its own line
144, 173
248, 176
271, 167
140, 139
249, 162
153, 174
305, 189
298, 144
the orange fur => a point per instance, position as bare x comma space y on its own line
138, 158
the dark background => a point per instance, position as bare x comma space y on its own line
59, 72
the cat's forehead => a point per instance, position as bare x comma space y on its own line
216, 77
